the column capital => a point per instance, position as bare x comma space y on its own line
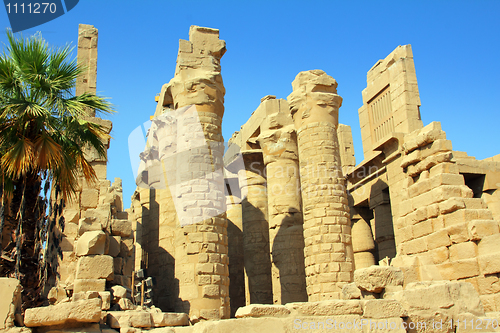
314, 98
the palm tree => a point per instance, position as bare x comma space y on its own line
44, 130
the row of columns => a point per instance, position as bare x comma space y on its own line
295, 215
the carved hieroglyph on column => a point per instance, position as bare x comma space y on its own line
286, 241
314, 105
201, 245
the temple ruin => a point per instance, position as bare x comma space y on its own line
283, 227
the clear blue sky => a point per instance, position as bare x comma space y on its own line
455, 47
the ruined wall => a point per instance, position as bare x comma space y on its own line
97, 231
391, 100
430, 208
444, 232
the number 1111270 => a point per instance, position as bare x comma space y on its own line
31, 8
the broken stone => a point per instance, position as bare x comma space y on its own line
91, 242
376, 278
126, 304
119, 292
56, 294
262, 310
89, 224
86, 311
351, 291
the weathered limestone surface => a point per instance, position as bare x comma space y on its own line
95, 267
86, 311
375, 278
327, 230
260, 310
10, 301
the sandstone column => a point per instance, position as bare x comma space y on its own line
201, 261
235, 253
314, 106
286, 242
87, 56
258, 285
362, 244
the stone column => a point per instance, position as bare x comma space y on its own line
87, 56
201, 261
286, 242
314, 105
255, 230
235, 252
362, 244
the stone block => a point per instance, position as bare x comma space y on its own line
449, 297
458, 233
91, 242
119, 292
114, 245
162, 319
125, 304
81, 285
489, 245
102, 214
89, 224
105, 297
459, 269
376, 278
71, 216
121, 228
10, 301
451, 205
89, 198
351, 291
262, 310
325, 308
482, 228
437, 239
415, 246
95, 267
489, 263
489, 284
465, 250
56, 294
126, 247
123, 319
85, 311
382, 308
